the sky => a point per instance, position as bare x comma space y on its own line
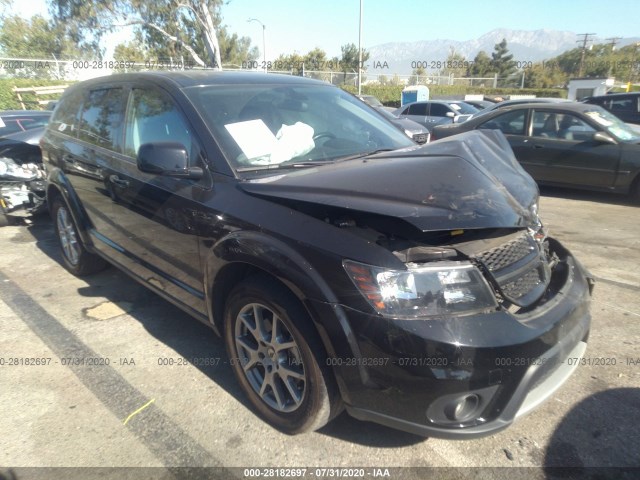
301, 25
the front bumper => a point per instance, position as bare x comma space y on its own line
466, 377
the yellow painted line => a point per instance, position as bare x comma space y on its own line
139, 410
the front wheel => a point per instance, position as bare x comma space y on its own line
277, 357
76, 258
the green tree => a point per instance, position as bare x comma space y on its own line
418, 76
132, 51
502, 61
454, 64
349, 62
171, 29
481, 66
35, 38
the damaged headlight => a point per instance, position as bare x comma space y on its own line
441, 288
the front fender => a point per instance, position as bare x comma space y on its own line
262, 252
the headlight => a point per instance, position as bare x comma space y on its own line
441, 288
408, 133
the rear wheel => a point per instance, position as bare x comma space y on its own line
635, 191
277, 357
76, 258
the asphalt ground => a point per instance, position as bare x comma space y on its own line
112, 388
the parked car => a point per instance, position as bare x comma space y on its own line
480, 104
566, 144
521, 101
344, 265
22, 176
12, 121
374, 102
625, 106
418, 133
436, 112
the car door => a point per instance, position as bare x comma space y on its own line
440, 114
514, 124
91, 136
417, 112
561, 150
154, 213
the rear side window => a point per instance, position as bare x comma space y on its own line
418, 109
65, 117
153, 117
622, 105
102, 117
510, 123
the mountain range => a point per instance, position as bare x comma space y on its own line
527, 46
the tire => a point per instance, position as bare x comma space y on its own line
285, 376
635, 192
75, 256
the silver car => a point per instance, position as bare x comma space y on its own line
437, 112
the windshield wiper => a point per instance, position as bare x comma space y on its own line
280, 166
364, 154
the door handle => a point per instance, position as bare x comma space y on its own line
116, 180
538, 146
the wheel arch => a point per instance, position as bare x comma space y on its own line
58, 186
243, 254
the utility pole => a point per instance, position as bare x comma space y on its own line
612, 42
584, 49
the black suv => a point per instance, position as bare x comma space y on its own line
345, 266
625, 106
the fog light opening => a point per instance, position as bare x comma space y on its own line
463, 408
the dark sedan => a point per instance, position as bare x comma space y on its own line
418, 133
566, 144
12, 121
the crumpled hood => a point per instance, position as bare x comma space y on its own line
465, 182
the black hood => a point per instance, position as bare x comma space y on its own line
465, 182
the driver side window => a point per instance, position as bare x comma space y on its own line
153, 117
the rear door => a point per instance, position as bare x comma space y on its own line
561, 150
417, 112
153, 215
437, 114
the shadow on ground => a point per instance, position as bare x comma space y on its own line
190, 338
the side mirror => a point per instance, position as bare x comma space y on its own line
603, 137
167, 158
451, 114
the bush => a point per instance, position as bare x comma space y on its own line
390, 95
9, 100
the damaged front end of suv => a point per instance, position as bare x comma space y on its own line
463, 311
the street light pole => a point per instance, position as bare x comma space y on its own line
360, 53
264, 43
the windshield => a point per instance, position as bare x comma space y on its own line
261, 126
613, 124
463, 108
371, 100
